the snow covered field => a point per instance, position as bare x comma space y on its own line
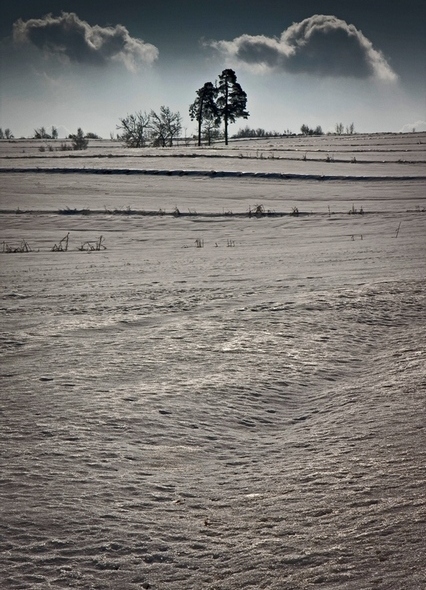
216, 400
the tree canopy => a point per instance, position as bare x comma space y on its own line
204, 109
231, 101
224, 101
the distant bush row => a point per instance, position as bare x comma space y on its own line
161, 129
6, 134
79, 141
41, 133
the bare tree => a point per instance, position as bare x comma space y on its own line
41, 133
339, 128
211, 131
135, 129
165, 126
6, 134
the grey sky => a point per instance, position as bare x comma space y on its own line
300, 61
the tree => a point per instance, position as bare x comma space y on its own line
1, 133
339, 128
231, 101
79, 142
135, 129
54, 133
8, 134
41, 133
165, 126
306, 130
210, 131
204, 109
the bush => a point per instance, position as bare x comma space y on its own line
6, 134
308, 131
79, 142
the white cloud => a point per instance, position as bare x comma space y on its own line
72, 39
417, 126
319, 45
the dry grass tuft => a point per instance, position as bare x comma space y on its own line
23, 247
62, 246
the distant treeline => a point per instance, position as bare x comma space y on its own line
305, 130
259, 132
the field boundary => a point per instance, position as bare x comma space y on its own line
209, 173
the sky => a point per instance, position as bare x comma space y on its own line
87, 63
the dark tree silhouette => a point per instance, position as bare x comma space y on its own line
41, 133
231, 101
339, 128
79, 142
204, 108
306, 130
165, 126
135, 129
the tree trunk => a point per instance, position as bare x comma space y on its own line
226, 114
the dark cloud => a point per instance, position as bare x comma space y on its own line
321, 45
69, 37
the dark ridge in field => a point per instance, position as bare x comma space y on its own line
235, 156
210, 214
152, 213
211, 174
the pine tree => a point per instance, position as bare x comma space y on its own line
231, 101
79, 142
204, 108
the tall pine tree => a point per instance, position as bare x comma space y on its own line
204, 108
231, 101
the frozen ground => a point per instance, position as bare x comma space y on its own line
245, 414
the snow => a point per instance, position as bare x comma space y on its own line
245, 414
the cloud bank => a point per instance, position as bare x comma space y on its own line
73, 39
319, 45
417, 126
